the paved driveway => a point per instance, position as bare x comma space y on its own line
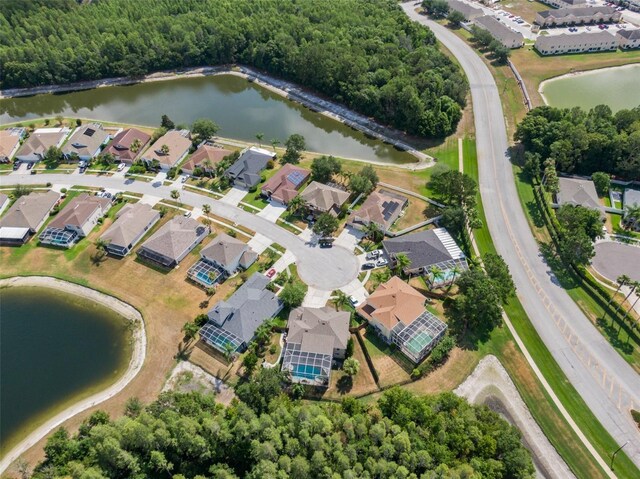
273, 211
326, 269
259, 243
234, 196
613, 259
349, 238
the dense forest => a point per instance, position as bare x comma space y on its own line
583, 142
364, 53
188, 435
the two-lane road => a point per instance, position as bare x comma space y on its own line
324, 269
608, 385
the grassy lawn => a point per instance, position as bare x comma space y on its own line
391, 365
525, 8
255, 199
539, 403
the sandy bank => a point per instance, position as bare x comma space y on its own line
490, 384
135, 364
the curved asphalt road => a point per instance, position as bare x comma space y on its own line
608, 385
325, 269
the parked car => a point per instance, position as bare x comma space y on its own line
30, 165
369, 265
121, 166
353, 300
382, 262
271, 273
184, 178
325, 244
187, 214
16, 164
82, 169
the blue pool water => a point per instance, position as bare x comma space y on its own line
306, 371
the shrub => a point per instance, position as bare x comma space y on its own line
48, 185
272, 349
63, 190
232, 233
270, 165
253, 189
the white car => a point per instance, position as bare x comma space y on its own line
184, 178
121, 166
353, 300
381, 262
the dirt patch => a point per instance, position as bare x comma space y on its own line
187, 377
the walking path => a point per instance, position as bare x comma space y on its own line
135, 364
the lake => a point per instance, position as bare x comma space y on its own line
241, 108
55, 348
617, 87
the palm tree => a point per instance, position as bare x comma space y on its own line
228, 351
175, 194
633, 285
275, 142
380, 276
190, 329
436, 275
208, 166
340, 300
402, 262
206, 209
296, 204
632, 215
373, 231
637, 285
455, 272
260, 137
164, 149
101, 244
135, 145
207, 223
621, 280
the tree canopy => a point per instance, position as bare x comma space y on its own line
324, 167
584, 142
366, 54
189, 435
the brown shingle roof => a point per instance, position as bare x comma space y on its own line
205, 152
380, 209
178, 142
9, 139
29, 211
79, 210
121, 144
392, 303
324, 197
283, 186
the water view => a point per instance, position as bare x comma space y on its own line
616, 87
54, 348
241, 108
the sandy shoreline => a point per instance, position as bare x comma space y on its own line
579, 73
135, 364
282, 88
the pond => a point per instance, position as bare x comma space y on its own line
55, 348
241, 109
616, 87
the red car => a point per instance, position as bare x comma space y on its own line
271, 273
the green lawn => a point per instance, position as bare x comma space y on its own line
545, 412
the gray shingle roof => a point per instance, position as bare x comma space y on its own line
631, 197
248, 166
86, 140
319, 330
324, 197
576, 12
575, 191
582, 38
246, 309
630, 34
30, 210
175, 237
224, 249
499, 30
467, 10
130, 223
425, 248
79, 210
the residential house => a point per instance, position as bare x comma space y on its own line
577, 16
169, 150
75, 221
222, 257
428, 251
633, 5
469, 12
234, 321
505, 35
131, 224
173, 241
10, 142
578, 192
35, 147
86, 142
4, 202
565, 3
321, 198
396, 312
576, 43
26, 216
245, 172
628, 39
284, 185
381, 208
206, 157
315, 337
127, 145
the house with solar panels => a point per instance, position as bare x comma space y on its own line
284, 185
396, 312
234, 321
316, 336
245, 172
427, 251
75, 221
86, 142
381, 208
221, 258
